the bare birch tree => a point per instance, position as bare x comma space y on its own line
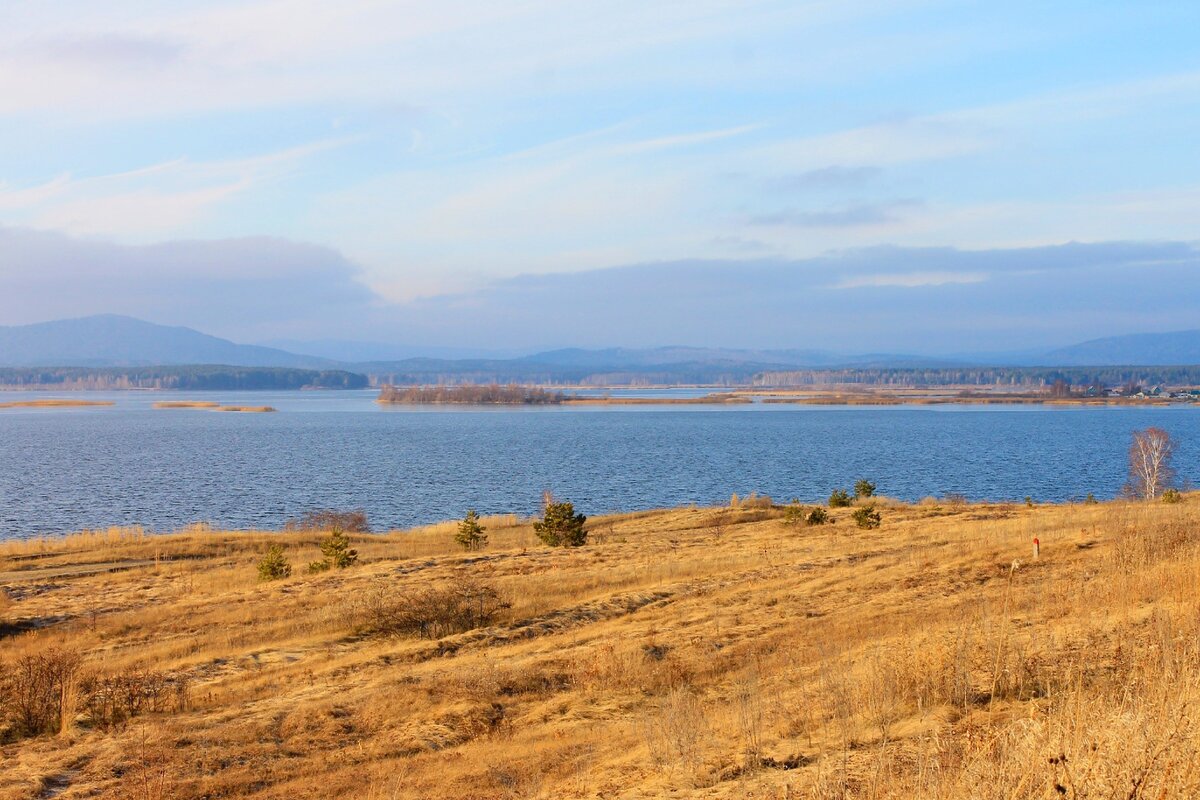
1150, 470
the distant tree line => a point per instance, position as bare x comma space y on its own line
1024, 377
492, 393
182, 377
469, 373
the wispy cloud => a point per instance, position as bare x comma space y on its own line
909, 280
119, 50
860, 214
682, 140
150, 200
831, 177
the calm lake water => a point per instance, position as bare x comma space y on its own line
69, 469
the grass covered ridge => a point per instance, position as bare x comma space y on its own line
717, 653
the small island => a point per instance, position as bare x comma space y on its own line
208, 405
51, 402
489, 394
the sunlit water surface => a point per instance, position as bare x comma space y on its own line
70, 469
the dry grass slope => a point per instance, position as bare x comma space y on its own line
709, 653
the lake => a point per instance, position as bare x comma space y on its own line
70, 469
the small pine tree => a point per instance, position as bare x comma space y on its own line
560, 526
839, 498
793, 515
818, 516
274, 565
1172, 496
863, 489
867, 517
337, 551
471, 535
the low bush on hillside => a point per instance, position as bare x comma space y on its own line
863, 489
839, 498
867, 517
274, 565
112, 700
38, 690
328, 519
796, 515
337, 551
752, 500
431, 612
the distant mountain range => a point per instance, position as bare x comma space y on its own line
1151, 349
109, 340
117, 341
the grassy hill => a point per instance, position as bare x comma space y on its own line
713, 653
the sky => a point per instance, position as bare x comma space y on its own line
858, 176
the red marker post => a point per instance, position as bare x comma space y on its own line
1037, 548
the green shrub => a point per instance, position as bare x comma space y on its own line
1090, 499
1172, 496
471, 535
863, 489
839, 498
560, 526
337, 551
793, 515
818, 516
274, 565
867, 517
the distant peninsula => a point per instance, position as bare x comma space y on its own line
517, 395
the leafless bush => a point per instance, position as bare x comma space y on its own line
431, 612
328, 519
38, 690
112, 700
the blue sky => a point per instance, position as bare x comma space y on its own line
433, 157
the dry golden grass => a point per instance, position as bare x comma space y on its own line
54, 402
686, 653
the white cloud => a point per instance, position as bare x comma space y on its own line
909, 280
149, 201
